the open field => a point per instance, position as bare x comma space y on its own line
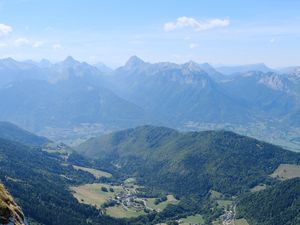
196, 219
224, 203
130, 181
161, 206
215, 194
96, 173
92, 194
259, 187
121, 212
217, 222
241, 222
236, 222
286, 171
127, 203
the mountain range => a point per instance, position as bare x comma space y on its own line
67, 94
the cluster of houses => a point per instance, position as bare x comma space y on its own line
127, 198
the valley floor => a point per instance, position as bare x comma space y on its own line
122, 200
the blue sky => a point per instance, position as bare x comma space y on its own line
218, 32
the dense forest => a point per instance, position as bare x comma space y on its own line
40, 184
189, 163
12, 132
276, 205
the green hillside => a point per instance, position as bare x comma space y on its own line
40, 184
12, 132
189, 163
277, 205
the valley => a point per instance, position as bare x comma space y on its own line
108, 176
74, 101
272, 132
149, 112
121, 201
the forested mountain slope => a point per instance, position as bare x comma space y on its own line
192, 162
40, 184
274, 206
12, 132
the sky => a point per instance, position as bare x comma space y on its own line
220, 32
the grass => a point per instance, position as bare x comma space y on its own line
286, 171
161, 206
92, 194
215, 194
130, 181
236, 222
241, 222
97, 173
120, 212
259, 187
196, 219
224, 203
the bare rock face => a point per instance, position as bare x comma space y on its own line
10, 212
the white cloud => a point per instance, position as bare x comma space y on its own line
4, 29
21, 42
183, 22
38, 44
56, 46
194, 45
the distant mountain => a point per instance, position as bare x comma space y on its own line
212, 71
229, 70
12, 132
36, 104
267, 94
37, 95
70, 67
176, 93
12, 70
44, 63
189, 163
16, 71
65, 94
274, 206
292, 71
103, 68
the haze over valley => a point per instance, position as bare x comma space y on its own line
149, 112
67, 100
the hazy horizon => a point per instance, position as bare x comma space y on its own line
229, 33
153, 112
54, 61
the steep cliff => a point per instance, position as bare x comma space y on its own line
10, 212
